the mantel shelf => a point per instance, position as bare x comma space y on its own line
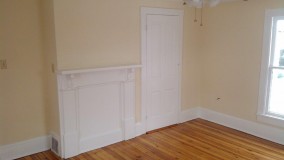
85, 70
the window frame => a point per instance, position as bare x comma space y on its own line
263, 115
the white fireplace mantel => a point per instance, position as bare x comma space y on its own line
86, 70
97, 107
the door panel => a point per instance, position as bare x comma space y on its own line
162, 70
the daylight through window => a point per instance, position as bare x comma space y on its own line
276, 98
271, 99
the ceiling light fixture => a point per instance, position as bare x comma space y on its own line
200, 4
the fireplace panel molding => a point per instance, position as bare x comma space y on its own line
97, 108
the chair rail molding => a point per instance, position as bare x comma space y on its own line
97, 107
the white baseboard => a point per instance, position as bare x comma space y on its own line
257, 129
189, 114
98, 141
140, 129
130, 128
24, 148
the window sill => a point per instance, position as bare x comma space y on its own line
273, 120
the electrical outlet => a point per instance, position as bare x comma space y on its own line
3, 64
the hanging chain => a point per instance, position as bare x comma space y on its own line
201, 18
195, 20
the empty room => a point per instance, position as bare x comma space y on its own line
142, 79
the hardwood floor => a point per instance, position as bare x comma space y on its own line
193, 140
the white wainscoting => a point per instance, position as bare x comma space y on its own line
97, 108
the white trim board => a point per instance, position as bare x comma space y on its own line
25, 148
189, 114
86, 70
39, 144
257, 129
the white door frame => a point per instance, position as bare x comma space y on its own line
156, 11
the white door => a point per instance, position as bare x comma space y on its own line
163, 54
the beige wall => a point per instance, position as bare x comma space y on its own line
191, 75
86, 34
50, 63
22, 97
107, 33
98, 33
231, 56
221, 59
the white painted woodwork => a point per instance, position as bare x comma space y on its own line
163, 56
97, 108
268, 132
24, 148
39, 144
265, 74
85, 70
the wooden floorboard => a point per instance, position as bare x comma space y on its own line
194, 140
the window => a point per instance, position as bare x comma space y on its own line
271, 97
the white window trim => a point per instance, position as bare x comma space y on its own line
262, 114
